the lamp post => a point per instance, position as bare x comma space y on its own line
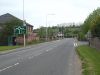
47, 26
24, 25
46, 29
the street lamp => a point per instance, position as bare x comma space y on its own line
24, 25
46, 25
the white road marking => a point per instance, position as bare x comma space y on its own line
75, 45
9, 67
16, 64
58, 40
31, 57
49, 49
38, 54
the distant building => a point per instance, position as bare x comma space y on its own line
17, 39
60, 35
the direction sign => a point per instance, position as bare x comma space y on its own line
20, 30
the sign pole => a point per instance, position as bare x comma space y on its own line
24, 41
24, 25
24, 38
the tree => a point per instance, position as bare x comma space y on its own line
8, 30
91, 20
96, 29
42, 32
92, 23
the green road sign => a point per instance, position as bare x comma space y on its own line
20, 30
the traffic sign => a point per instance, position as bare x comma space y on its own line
20, 30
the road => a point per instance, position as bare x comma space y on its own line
50, 58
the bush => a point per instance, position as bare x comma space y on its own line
81, 36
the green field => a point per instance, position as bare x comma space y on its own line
90, 60
6, 48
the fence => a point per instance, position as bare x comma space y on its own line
95, 42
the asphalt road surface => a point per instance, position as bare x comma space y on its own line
50, 58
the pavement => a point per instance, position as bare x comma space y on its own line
50, 58
83, 43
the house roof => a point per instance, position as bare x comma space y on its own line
8, 17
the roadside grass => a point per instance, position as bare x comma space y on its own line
6, 48
90, 60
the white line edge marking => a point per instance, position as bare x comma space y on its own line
9, 67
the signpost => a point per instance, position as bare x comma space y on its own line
20, 30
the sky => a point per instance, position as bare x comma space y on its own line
52, 12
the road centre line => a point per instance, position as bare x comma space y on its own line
37, 54
31, 57
40, 53
9, 67
49, 49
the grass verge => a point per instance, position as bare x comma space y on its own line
90, 60
6, 48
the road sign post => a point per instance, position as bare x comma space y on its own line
20, 30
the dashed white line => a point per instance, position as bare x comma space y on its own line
49, 49
16, 64
37, 54
31, 57
9, 67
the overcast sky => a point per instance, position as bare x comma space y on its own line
36, 10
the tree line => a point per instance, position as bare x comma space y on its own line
52, 32
92, 23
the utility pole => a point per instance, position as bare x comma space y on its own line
46, 29
47, 26
24, 25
